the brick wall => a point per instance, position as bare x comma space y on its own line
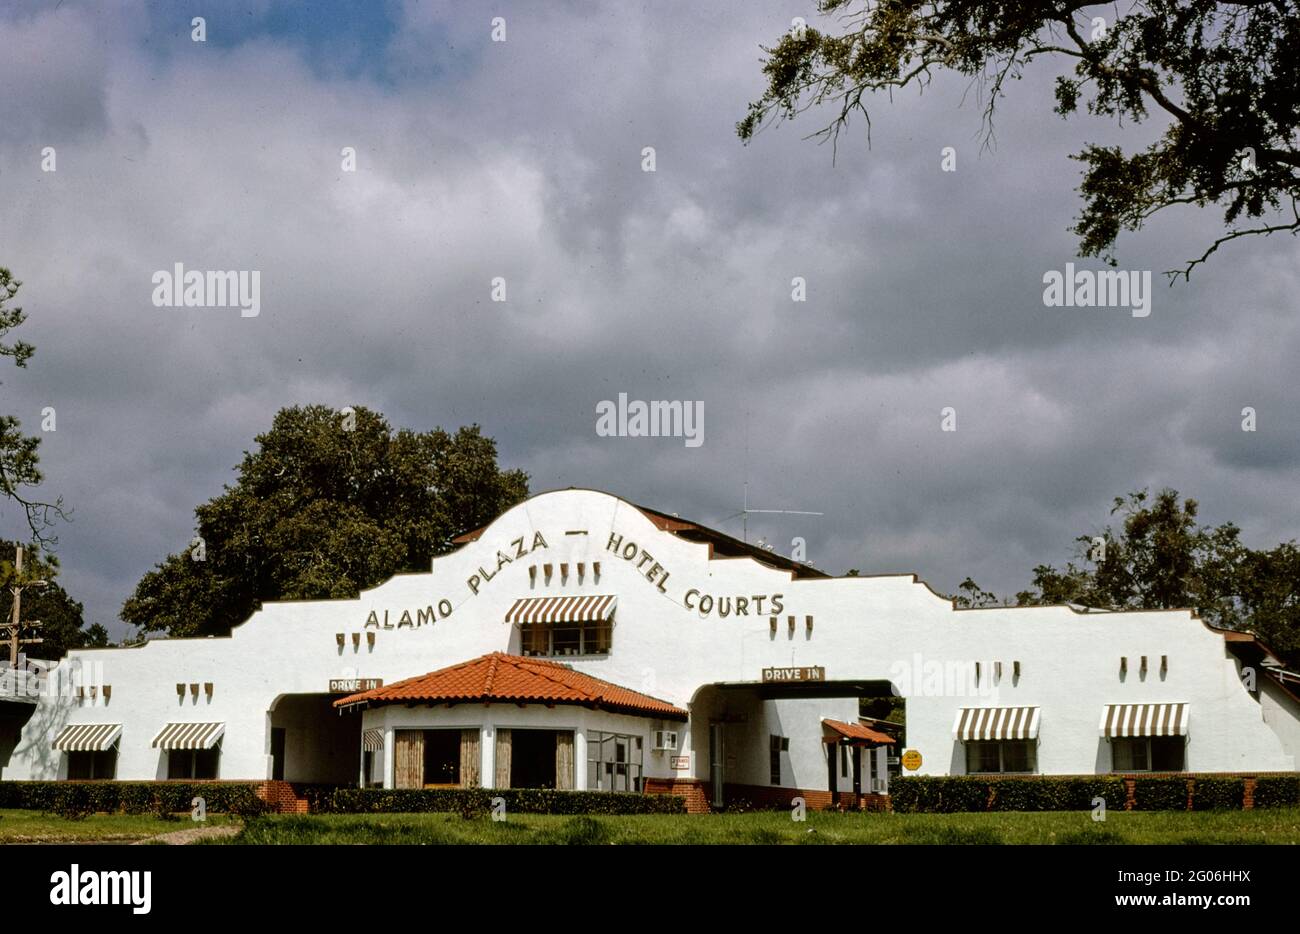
282, 797
694, 790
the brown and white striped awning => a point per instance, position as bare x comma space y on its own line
529, 610
189, 736
1125, 720
87, 737
372, 740
976, 723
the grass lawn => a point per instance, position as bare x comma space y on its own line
35, 827
1280, 825
1263, 826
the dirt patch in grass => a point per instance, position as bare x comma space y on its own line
193, 835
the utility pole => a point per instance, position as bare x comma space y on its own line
16, 625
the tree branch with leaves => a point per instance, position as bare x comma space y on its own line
1223, 75
19, 471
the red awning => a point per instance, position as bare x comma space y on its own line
855, 734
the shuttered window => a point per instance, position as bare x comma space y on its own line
408, 758
470, 758
564, 761
502, 777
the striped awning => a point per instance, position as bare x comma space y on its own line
1124, 720
189, 736
527, 610
87, 737
372, 740
975, 723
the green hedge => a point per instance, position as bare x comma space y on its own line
912, 794
479, 800
1055, 794
1218, 794
1160, 794
1277, 791
131, 797
943, 794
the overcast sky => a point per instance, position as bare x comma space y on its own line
523, 160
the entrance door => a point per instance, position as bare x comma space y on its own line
716, 754
277, 753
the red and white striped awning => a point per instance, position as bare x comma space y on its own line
189, 736
1127, 720
976, 723
529, 610
87, 737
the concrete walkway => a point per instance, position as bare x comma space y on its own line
192, 835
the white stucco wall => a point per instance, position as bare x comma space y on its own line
1281, 712
888, 628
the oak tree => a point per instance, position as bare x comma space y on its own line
331, 502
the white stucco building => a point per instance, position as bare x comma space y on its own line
580, 641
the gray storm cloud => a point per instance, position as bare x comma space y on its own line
523, 161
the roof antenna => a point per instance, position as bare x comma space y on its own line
744, 514
745, 511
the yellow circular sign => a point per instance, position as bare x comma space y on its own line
911, 760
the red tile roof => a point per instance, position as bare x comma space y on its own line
514, 679
856, 731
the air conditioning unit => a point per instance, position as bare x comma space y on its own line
663, 739
878, 786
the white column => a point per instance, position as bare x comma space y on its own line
389, 746
488, 754
580, 759
268, 760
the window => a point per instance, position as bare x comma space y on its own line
533, 758
590, 638
92, 765
566, 641
776, 746
1148, 754
844, 760
441, 757
614, 761
1167, 753
193, 763
1001, 756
